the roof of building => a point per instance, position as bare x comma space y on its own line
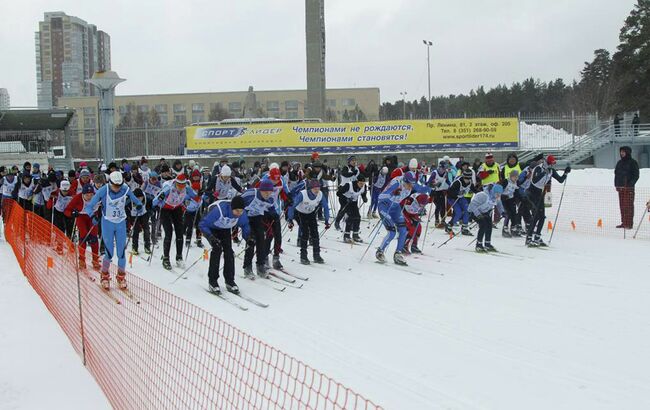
35, 119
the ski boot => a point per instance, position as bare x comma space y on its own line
530, 243
134, 251
465, 231
506, 233
248, 272
82, 264
399, 259
538, 240
415, 249
276, 262
337, 225
380, 256
267, 264
346, 238
232, 288
304, 260
488, 247
480, 248
180, 263
262, 272
121, 279
317, 259
96, 264
166, 264
356, 238
147, 250
516, 231
214, 289
375, 215
449, 228
105, 280
199, 243
369, 214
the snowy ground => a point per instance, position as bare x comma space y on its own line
39, 369
563, 328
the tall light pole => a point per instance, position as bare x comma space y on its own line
428, 44
106, 81
403, 94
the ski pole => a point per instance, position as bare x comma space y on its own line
196, 214
187, 269
426, 227
558, 210
446, 215
640, 222
372, 239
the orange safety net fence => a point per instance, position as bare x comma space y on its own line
156, 350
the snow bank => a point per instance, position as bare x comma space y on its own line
543, 136
39, 369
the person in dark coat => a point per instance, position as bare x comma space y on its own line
617, 126
635, 124
625, 176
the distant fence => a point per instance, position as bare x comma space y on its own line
163, 353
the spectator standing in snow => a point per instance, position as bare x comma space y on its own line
617, 126
625, 176
635, 124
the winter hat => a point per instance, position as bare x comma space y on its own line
514, 172
317, 164
138, 193
127, 168
83, 164
409, 177
446, 158
274, 174
422, 199
497, 189
384, 170
226, 171
192, 163
352, 158
103, 168
314, 183
538, 157
72, 173
88, 189
116, 178
467, 173
153, 174
361, 178
99, 179
284, 164
413, 163
65, 185
274, 165
489, 156
112, 165
237, 203
180, 179
84, 173
196, 173
266, 185
550, 160
314, 155
164, 168
36, 165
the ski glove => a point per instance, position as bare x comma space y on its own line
138, 207
250, 242
95, 220
290, 225
397, 191
214, 242
75, 213
327, 225
567, 169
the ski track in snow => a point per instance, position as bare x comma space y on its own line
562, 328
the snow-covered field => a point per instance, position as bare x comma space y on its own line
563, 328
39, 369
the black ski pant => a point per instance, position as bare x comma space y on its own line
155, 225
536, 198
64, 224
192, 222
26, 204
354, 217
440, 202
141, 224
224, 237
309, 230
258, 233
273, 231
484, 229
343, 201
172, 223
510, 205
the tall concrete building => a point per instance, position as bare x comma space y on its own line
5, 102
68, 52
315, 36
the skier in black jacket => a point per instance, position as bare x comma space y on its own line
625, 176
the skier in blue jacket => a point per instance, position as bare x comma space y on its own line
113, 197
222, 216
390, 211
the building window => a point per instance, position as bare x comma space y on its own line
348, 102
179, 108
292, 114
273, 106
197, 118
180, 120
331, 103
164, 120
161, 108
215, 106
90, 122
291, 105
143, 108
234, 106
89, 111
197, 107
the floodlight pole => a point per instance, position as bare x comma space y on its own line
105, 82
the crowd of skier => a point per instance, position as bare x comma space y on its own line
107, 208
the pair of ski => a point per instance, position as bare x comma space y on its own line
497, 254
404, 268
126, 292
242, 296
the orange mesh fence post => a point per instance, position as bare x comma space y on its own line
549, 226
600, 223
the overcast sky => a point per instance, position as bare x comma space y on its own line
169, 46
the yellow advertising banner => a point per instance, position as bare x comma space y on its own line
298, 137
